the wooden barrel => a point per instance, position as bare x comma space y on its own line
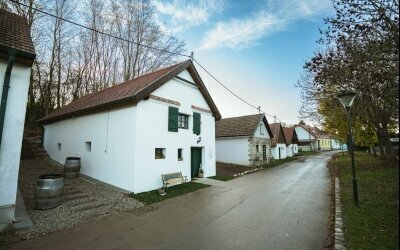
72, 167
49, 191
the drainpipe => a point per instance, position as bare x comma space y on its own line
6, 86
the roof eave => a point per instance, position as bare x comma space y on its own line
21, 56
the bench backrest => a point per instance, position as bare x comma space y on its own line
171, 176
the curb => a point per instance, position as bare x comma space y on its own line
339, 238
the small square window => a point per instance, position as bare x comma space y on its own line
59, 146
88, 145
159, 153
183, 121
180, 154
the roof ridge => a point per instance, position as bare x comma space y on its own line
123, 83
241, 116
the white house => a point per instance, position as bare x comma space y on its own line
244, 140
279, 142
307, 139
130, 134
292, 148
16, 57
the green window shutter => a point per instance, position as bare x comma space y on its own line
196, 123
173, 114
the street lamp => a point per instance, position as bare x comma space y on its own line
347, 100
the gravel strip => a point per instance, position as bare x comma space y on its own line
92, 202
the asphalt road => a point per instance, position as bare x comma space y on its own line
285, 207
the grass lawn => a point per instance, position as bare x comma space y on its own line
222, 177
375, 225
153, 196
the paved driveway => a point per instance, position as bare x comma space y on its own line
285, 207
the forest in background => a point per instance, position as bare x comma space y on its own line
73, 61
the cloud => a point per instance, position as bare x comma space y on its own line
184, 14
276, 16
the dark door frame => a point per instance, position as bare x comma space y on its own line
191, 160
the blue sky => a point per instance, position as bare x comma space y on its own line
256, 48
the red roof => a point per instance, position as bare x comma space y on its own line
277, 132
290, 135
129, 92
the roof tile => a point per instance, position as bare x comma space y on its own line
237, 126
15, 32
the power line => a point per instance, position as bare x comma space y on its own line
149, 47
233, 93
100, 32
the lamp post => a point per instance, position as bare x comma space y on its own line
347, 100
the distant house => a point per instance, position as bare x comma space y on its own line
16, 57
336, 144
323, 142
279, 142
292, 141
244, 140
307, 138
129, 134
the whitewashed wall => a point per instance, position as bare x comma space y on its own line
10, 150
233, 150
295, 148
275, 151
289, 150
126, 156
112, 135
152, 117
261, 133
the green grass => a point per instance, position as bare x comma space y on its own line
222, 177
375, 225
277, 162
153, 196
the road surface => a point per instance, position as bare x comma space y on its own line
285, 207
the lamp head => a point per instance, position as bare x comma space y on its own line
347, 99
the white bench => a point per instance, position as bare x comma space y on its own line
172, 179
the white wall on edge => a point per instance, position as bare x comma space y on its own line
10, 151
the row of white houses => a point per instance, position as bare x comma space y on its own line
129, 134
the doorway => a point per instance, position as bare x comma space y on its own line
195, 161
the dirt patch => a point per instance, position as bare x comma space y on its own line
226, 169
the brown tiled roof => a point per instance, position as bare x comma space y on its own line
288, 132
278, 134
290, 135
239, 126
128, 93
15, 34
